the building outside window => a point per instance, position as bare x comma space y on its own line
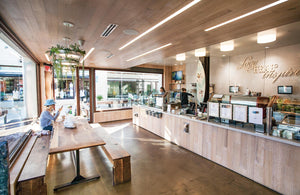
116, 89
65, 93
18, 92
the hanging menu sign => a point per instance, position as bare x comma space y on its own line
226, 111
240, 113
213, 109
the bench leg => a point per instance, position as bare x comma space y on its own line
78, 178
121, 171
35, 186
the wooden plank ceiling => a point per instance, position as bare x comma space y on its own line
38, 23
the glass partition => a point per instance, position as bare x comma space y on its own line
116, 89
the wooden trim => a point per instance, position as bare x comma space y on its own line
126, 70
77, 92
94, 93
14, 38
111, 110
91, 94
53, 84
38, 86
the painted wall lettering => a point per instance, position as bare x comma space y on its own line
268, 71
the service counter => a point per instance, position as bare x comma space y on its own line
271, 161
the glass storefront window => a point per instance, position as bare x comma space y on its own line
116, 89
84, 93
65, 92
18, 92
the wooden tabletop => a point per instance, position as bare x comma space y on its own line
83, 136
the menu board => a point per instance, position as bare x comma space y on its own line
256, 115
213, 109
226, 111
240, 113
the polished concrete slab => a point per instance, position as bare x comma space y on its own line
158, 167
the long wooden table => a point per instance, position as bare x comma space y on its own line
64, 140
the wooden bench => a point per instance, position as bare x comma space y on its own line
16, 168
119, 158
32, 178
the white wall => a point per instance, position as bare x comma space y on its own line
224, 71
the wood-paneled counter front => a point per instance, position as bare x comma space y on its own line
271, 161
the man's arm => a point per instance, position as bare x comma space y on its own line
190, 94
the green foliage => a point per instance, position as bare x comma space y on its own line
54, 52
99, 97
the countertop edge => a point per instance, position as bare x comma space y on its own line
270, 137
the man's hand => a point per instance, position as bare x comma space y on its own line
60, 109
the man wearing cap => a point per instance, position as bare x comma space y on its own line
46, 117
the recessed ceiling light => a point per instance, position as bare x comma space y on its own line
87, 55
180, 57
247, 14
223, 55
148, 52
200, 52
161, 23
267, 47
266, 36
47, 57
227, 46
130, 32
68, 24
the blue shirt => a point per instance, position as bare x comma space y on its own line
46, 118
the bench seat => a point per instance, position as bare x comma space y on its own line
119, 158
16, 168
32, 178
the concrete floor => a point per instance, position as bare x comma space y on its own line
158, 167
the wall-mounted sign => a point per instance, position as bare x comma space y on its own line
269, 71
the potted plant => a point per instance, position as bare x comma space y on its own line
99, 97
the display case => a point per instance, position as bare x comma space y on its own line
286, 115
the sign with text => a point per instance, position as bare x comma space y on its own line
269, 71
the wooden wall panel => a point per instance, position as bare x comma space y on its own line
268, 162
100, 117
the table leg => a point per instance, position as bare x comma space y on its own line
78, 178
5, 119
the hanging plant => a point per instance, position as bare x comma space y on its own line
66, 57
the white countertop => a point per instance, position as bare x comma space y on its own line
229, 127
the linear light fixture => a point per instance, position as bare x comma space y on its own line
47, 57
87, 55
149, 52
161, 22
247, 14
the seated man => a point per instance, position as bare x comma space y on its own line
46, 117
